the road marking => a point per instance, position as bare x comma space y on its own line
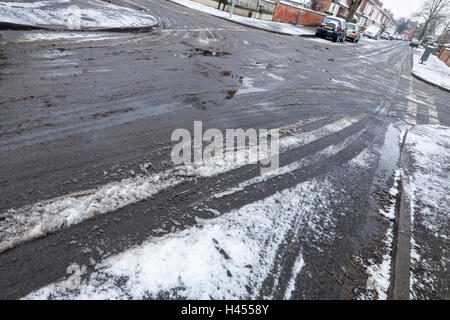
432, 112
39, 219
411, 112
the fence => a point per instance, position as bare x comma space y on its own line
445, 56
289, 12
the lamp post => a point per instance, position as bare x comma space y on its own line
299, 16
300, 13
232, 8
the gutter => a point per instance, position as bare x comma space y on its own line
399, 288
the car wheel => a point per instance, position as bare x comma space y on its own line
335, 39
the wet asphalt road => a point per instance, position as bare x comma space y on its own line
76, 105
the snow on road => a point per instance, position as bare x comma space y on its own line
364, 159
428, 189
433, 70
44, 217
93, 14
308, 160
228, 257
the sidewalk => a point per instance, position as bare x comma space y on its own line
433, 71
239, 11
275, 27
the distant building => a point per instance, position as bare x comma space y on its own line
369, 13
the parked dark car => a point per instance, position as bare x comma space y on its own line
332, 28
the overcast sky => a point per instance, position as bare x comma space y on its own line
402, 8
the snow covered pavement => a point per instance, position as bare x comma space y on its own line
433, 70
277, 27
427, 150
73, 14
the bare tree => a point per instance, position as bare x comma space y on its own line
436, 23
353, 6
431, 11
402, 24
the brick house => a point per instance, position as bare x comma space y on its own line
372, 13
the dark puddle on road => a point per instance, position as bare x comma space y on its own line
231, 94
388, 163
209, 53
196, 102
234, 76
390, 151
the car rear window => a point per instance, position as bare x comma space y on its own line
351, 26
330, 21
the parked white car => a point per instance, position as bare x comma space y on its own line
372, 32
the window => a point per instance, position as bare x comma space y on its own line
333, 22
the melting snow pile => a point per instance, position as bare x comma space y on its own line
65, 13
44, 217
